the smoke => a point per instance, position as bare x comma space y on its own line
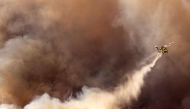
6, 106
91, 98
57, 47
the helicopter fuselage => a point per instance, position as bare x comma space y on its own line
162, 49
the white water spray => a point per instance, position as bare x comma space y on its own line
131, 89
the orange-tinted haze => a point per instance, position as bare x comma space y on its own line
57, 46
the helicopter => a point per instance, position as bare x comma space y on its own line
163, 49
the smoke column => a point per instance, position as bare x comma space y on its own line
93, 98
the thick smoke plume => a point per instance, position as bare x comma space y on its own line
58, 46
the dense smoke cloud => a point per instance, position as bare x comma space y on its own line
57, 47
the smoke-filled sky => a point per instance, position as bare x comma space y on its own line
54, 49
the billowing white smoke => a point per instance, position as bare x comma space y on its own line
94, 98
91, 98
7, 106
